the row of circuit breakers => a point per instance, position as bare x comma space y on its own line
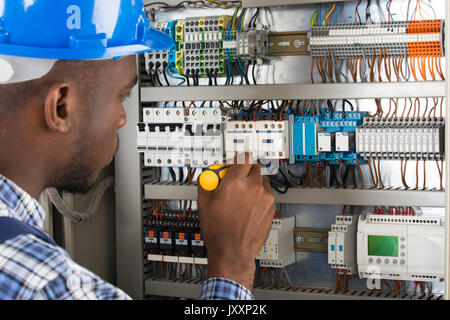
180, 243
396, 247
199, 137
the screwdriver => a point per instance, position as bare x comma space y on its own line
210, 179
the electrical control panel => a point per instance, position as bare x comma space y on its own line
401, 247
343, 105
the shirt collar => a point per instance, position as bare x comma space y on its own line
21, 205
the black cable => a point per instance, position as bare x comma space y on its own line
150, 73
343, 107
368, 14
253, 72
330, 109
357, 12
354, 176
165, 78
172, 174
346, 173
254, 17
181, 171
196, 79
157, 77
349, 103
179, 5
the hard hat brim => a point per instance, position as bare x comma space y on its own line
154, 40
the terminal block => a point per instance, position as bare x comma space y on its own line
278, 250
159, 60
342, 244
401, 139
416, 38
252, 44
202, 46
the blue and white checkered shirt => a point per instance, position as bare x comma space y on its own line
31, 268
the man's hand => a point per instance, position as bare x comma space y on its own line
235, 221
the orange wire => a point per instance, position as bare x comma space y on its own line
421, 67
418, 109
426, 108
413, 67
431, 67
439, 68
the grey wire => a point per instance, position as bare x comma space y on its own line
287, 276
327, 175
288, 176
407, 69
407, 10
380, 11
363, 63
325, 69
267, 9
339, 178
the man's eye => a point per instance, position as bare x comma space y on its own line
126, 96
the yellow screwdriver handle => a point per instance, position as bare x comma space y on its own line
210, 179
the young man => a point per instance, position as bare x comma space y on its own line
65, 71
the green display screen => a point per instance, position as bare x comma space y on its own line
383, 246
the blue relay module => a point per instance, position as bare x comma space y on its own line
328, 137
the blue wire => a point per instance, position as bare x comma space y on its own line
387, 8
414, 12
173, 77
319, 15
229, 66
242, 70
240, 21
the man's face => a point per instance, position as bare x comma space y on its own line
97, 125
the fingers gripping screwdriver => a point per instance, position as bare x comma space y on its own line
210, 179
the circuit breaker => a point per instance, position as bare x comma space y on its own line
278, 250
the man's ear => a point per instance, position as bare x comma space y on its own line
58, 108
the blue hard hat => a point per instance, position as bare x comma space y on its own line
77, 30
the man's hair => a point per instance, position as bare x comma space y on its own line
87, 74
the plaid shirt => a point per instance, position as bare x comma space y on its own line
31, 268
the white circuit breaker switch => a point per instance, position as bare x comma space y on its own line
263, 139
332, 247
342, 142
342, 244
278, 250
324, 142
271, 139
141, 137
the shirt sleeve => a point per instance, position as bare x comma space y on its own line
80, 286
224, 289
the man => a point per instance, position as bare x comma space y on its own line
65, 71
